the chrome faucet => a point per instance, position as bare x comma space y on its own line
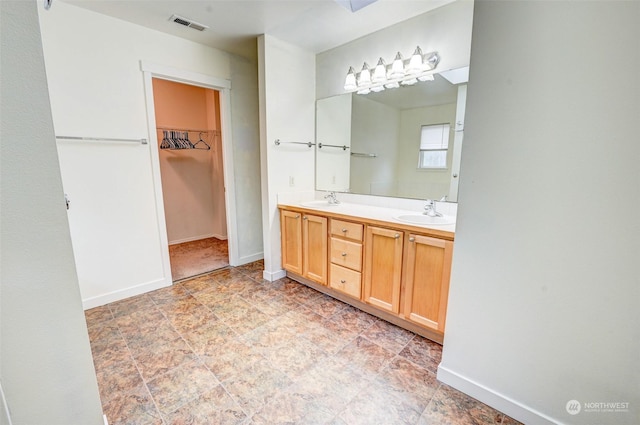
430, 209
331, 198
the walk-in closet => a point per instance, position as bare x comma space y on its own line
191, 168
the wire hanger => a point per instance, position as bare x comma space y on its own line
206, 145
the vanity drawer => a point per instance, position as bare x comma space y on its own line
345, 229
345, 280
347, 254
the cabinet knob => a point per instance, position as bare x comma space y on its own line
343, 281
397, 236
304, 218
344, 230
412, 239
344, 254
297, 215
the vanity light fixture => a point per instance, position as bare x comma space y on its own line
380, 72
365, 76
419, 67
350, 83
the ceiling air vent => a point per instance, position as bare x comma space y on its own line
188, 23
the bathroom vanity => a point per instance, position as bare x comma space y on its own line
364, 256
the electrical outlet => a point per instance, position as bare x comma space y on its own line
333, 179
291, 181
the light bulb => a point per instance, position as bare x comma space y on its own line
365, 76
377, 89
415, 63
364, 91
392, 85
409, 82
350, 81
380, 72
397, 67
429, 77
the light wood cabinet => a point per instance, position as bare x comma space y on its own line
304, 245
427, 270
346, 257
291, 240
314, 248
383, 268
398, 272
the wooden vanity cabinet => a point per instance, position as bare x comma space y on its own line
383, 268
304, 245
426, 288
397, 272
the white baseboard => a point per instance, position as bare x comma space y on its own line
121, 294
220, 237
498, 401
104, 418
249, 259
196, 238
271, 276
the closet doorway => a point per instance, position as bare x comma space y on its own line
188, 129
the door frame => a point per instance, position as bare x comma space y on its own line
152, 70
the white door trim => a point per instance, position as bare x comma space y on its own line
152, 70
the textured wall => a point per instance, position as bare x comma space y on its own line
46, 367
544, 299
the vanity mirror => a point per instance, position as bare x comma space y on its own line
382, 143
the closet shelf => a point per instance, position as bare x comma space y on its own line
178, 139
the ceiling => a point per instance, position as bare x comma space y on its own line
314, 25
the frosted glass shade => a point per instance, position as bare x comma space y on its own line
350, 81
397, 67
365, 76
380, 72
415, 63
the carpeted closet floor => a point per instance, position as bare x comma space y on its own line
197, 257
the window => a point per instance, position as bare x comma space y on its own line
434, 144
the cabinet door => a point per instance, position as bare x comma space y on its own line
314, 242
383, 268
427, 281
291, 234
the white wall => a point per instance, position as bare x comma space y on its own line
246, 157
414, 182
446, 30
96, 89
46, 370
287, 112
544, 301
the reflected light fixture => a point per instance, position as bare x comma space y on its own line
418, 68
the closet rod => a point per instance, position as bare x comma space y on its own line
343, 147
102, 139
188, 129
364, 155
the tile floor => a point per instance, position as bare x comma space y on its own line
230, 348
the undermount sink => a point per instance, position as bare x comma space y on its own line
425, 219
318, 204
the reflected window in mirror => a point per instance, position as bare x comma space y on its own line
434, 146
